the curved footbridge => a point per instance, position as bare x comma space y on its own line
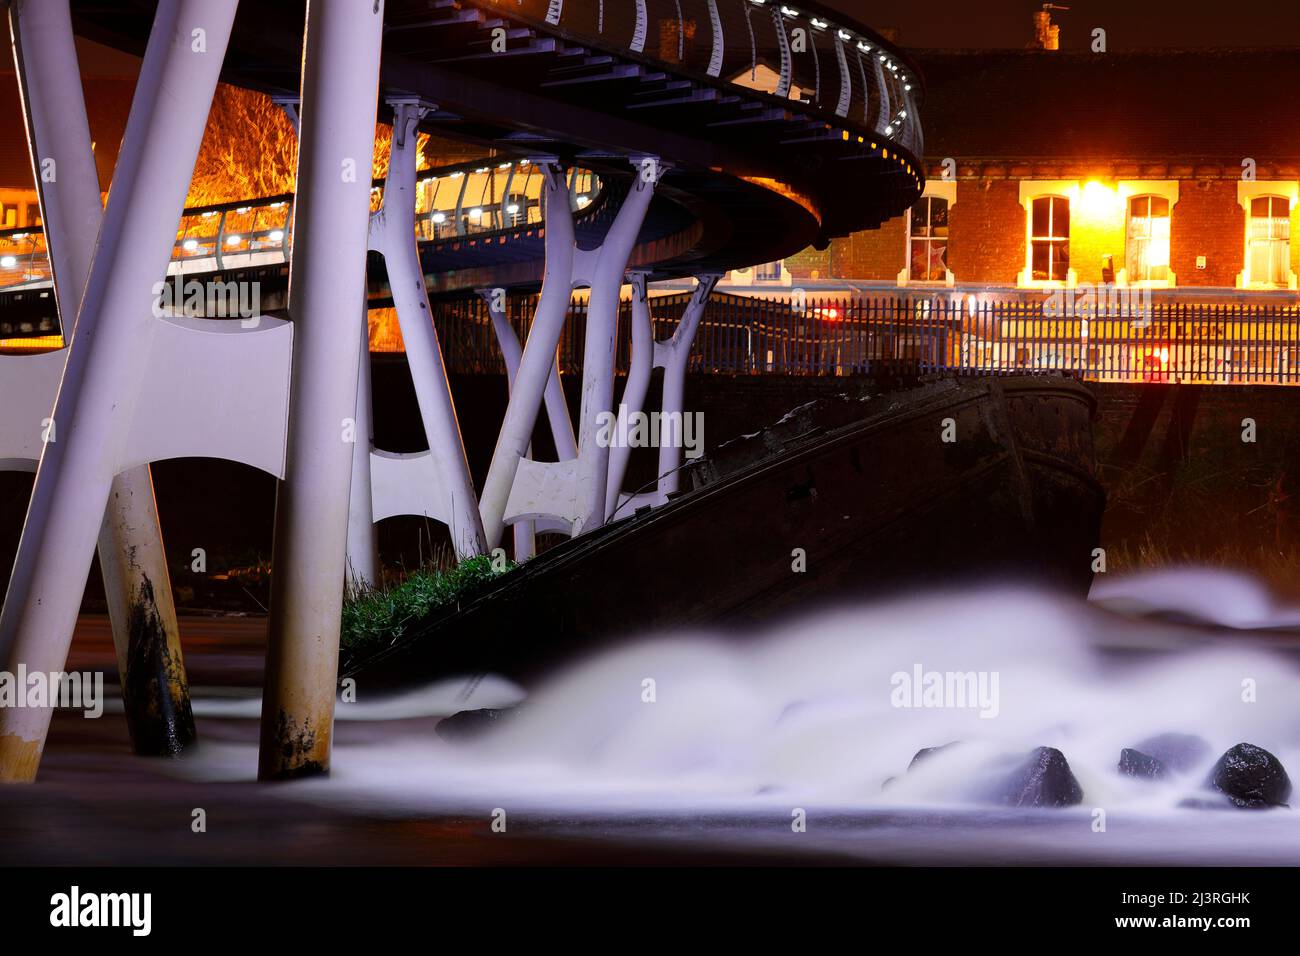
623, 141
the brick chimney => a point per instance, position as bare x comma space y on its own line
1047, 35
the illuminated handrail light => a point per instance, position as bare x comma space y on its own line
7, 262
276, 235
189, 245
234, 240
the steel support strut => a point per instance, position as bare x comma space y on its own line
105, 365
392, 233
538, 357
155, 691
569, 493
363, 546
557, 409
607, 265
340, 81
672, 356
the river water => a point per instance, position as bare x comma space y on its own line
784, 747
694, 738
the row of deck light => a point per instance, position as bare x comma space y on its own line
862, 45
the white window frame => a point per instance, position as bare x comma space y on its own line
1247, 191
1031, 189
1128, 190
934, 189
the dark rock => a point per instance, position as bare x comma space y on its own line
926, 752
1044, 780
1216, 802
471, 724
1134, 763
1178, 752
1251, 777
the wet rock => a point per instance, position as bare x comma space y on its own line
472, 724
1216, 802
1134, 763
1251, 777
1044, 780
1178, 752
926, 752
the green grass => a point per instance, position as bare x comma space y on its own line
373, 619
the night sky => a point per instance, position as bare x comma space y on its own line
1005, 24
1129, 24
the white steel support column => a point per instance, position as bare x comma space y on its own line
568, 494
363, 547
600, 348
392, 233
95, 405
634, 391
137, 585
557, 409
525, 531
672, 356
340, 81
538, 357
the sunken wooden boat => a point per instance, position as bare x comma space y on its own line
866, 490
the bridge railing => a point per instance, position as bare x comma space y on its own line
1175, 343
468, 199
823, 62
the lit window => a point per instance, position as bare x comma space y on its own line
928, 240
1049, 239
1268, 241
1148, 239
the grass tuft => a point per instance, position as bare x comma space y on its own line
377, 618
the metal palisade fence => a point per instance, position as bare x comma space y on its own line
741, 335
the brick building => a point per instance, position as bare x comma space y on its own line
1173, 170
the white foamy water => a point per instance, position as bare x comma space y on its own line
692, 736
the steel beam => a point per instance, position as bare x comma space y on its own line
95, 408
137, 585
340, 83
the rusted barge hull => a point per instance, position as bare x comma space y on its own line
865, 494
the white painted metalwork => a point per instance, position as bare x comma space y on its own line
641, 29
787, 61
340, 83
673, 356
715, 54
98, 402
572, 491
451, 498
846, 82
